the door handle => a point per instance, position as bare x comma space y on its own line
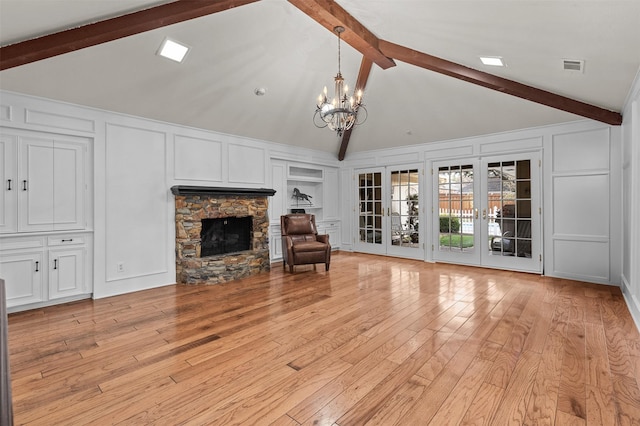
484, 213
9, 185
37, 266
476, 213
24, 185
55, 263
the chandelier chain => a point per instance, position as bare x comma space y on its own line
339, 33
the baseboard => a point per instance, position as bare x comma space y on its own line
632, 302
47, 303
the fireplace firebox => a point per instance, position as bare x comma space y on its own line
225, 235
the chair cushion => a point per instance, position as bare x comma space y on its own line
295, 239
299, 224
308, 246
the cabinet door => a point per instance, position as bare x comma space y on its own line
51, 186
36, 185
66, 274
9, 192
23, 276
68, 185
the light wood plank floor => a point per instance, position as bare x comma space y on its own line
375, 340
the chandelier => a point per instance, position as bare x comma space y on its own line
341, 113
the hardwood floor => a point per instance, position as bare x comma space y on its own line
375, 340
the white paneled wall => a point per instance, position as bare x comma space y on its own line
247, 165
579, 194
348, 209
136, 199
631, 201
197, 159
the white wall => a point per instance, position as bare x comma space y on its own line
630, 215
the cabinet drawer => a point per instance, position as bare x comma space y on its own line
21, 243
65, 240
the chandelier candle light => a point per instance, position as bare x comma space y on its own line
342, 112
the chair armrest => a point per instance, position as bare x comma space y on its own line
287, 242
323, 238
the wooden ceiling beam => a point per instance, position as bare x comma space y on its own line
329, 14
363, 76
500, 84
66, 41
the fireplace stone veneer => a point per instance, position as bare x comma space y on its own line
196, 203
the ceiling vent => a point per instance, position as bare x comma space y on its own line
573, 65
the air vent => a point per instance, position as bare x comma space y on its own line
573, 65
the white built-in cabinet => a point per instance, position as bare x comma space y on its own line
41, 269
22, 272
311, 187
44, 185
9, 176
45, 241
67, 260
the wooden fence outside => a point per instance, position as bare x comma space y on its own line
467, 216
465, 201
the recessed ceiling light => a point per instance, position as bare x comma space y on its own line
495, 61
173, 50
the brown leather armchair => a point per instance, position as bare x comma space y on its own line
301, 244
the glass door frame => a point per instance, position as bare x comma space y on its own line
369, 237
467, 220
491, 257
406, 237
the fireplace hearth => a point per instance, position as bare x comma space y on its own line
201, 233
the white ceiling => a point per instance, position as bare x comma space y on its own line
274, 45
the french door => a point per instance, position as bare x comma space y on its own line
388, 211
371, 227
456, 201
488, 212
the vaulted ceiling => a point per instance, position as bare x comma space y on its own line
412, 47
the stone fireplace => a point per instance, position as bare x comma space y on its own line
218, 207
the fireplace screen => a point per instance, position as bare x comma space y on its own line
225, 235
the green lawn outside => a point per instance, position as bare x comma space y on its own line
467, 240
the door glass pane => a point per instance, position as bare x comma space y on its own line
370, 214
509, 201
455, 194
404, 208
